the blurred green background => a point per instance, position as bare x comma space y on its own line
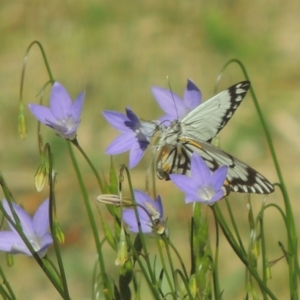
116, 51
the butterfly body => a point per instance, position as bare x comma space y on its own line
194, 132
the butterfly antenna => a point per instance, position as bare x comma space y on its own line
172, 94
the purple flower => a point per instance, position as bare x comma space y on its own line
151, 214
63, 115
35, 229
135, 135
173, 105
203, 185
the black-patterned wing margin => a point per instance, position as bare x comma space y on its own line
241, 178
206, 120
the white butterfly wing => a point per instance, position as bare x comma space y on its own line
206, 120
240, 177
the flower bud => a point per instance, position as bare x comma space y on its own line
58, 232
22, 128
41, 174
122, 250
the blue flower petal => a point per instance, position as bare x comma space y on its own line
200, 171
173, 105
184, 183
192, 96
24, 218
190, 198
42, 113
121, 143
169, 102
132, 116
7, 239
129, 218
60, 102
40, 219
116, 119
135, 155
218, 177
218, 196
47, 240
159, 206
77, 107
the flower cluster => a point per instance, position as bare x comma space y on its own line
136, 134
202, 186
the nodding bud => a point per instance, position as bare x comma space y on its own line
58, 232
193, 285
256, 249
122, 250
41, 174
22, 128
268, 271
9, 259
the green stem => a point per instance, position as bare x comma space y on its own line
244, 260
21, 118
25, 64
100, 183
91, 219
263, 253
180, 259
173, 291
293, 241
52, 212
216, 260
4, 294
152, 284
234, 225
186, 284
225, 226
6, 283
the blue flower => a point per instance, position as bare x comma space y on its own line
135, 135
173, 105
203, 185
35, 229
63, 115
151, 213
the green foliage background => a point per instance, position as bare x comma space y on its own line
116, 51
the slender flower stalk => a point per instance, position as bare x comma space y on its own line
91, 219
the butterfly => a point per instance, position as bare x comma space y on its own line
194, 132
